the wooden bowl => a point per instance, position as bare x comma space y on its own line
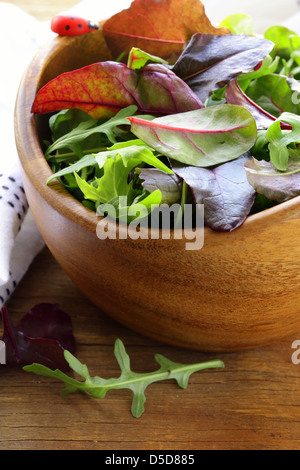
240, 291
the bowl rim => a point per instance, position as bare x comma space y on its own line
37, 169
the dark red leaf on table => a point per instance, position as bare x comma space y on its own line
41, 336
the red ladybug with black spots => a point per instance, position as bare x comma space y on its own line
72, 25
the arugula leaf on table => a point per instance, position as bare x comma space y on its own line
97, 387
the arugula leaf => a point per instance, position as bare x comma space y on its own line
273, 93
280, 140
97, 387
116, 186
267, 66
65, 121
74, 139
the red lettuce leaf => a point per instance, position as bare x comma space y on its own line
209, 62
103, 89
224, 190
160, 27
41, 336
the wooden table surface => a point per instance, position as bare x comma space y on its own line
252, 404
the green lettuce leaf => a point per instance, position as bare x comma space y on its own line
239, 24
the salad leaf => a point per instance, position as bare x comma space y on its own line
41, 335
238, 24
205, 137
138, 59
75, 139
265, 67
104, 88
279, 140
160, 27
210, 62
97, 387
234, 95
273, 93
116, 187
281, 37
225, 192
272, 183
169, 185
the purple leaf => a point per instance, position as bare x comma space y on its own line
41, 336
276, 185
225, 192
210, 62
170, 186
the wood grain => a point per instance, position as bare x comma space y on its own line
252, 404
234, 293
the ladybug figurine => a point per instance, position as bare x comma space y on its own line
72, 25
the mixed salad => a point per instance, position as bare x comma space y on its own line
186, 112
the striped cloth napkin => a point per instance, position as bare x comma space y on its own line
21, 36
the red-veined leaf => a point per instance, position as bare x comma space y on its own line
204, 137
160, 27
104, 88
235, 95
